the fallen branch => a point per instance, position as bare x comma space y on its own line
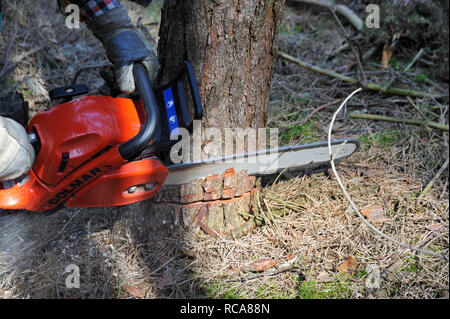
348, 79
317, 69
383, 118
349, 14
389, 84
434, 179
352, 203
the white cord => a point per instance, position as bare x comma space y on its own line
333, 167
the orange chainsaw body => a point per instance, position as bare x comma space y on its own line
99, 151
78, 162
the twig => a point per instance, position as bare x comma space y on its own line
348, 79
389, 84
356, 53
417, 108
318, 109
383, 118
70, 219
433, 180
164, 265
341, 185
368, 54
343, 47
351, 16
288, 266
269, 274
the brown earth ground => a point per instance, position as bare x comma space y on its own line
316, 248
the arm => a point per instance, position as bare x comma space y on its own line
110, 23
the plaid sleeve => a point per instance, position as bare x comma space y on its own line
91, 9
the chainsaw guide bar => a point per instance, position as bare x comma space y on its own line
264, 162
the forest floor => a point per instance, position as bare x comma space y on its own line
318, 249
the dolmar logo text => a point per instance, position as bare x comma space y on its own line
73, 186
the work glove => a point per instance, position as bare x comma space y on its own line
124, 45
16, 153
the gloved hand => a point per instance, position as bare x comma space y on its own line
124, 45
16, 153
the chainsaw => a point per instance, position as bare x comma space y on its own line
97, 151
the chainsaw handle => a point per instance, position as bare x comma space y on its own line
148, 131
194, 91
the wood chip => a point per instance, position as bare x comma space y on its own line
290, 256
134, 291
349, 265
375, 214
262, 265
386, 55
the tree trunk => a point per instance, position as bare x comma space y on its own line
232, 46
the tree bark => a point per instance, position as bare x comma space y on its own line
232, 46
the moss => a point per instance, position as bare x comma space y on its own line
27, 94
383, 139
303, 100
298, 29
360, 274
222, 290
284, 29
421, 78
312, 289
272, 292
288, 30
411, 265
397, 64
267, 290
307, 133
412, 268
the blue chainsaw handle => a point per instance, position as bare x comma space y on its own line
148, 131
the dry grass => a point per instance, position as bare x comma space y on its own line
125, 253
324, 231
